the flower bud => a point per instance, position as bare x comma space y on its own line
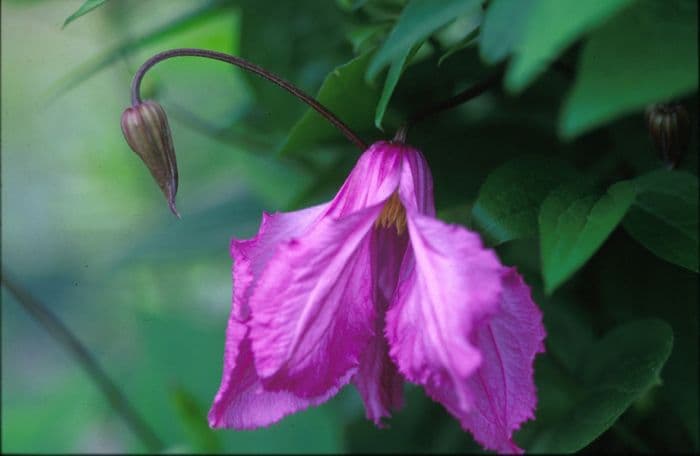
145, 127
669, 129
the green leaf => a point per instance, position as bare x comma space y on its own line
664, 216
504, 24
347, 95
648, 53
551, 26
574, 223
392, 78
128, 47
617, 371
85, 8
417, 22
469, 40
300, 40
194, 419
366, 37
510, 198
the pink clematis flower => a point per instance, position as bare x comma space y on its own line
372, 289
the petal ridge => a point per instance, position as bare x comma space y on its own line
312, 310
450, 283
510, 340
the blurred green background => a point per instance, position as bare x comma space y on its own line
86, 230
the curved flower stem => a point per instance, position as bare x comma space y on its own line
241, 63
452, 102
55, 327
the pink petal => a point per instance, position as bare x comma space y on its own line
241, 402
377, 379
312, 309
372, 181
416, 184
450, 283
504, 386
251, 255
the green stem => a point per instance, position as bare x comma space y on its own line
58, 330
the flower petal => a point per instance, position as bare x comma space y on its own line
241, 402
416, 182
449, 283
504, 386
312, 309
377, 379
372, 181
251, 255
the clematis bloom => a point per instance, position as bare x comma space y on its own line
371, 289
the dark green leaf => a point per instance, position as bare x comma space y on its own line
617, 371
551, 26
569, 332
648, 53
300, 40
347, 95
659, 290
504, 24
85, 8
573, 225
469, 40
510, 198
392, 78
664, 216
366, 37
417, 22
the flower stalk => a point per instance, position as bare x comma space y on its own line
252, 68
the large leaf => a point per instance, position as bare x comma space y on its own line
504, 23
85, 8
573, 225
659, 290
347, 95
646, 54
510, 198
551, 26
392, 78
664, 216
617, 371
417, 22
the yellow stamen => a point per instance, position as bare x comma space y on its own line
393, 213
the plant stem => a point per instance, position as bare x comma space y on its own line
452, 102
241, 63
55, 327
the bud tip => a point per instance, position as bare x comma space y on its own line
173, 209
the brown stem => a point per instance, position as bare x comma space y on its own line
241, 63
55, 327
452, 102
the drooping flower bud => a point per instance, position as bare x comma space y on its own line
145, 127
669, 129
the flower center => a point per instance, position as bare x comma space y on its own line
393, 213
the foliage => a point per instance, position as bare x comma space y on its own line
553, 167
